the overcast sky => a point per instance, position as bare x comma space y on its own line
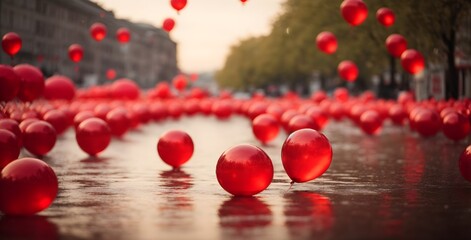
205, 29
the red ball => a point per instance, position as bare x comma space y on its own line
98, 31
39, 138
354, 11
31, 82
265, 127
456, 126
180, 82
301, 121
371, 122
175, 148
318, 115
222, 109
306, 154
75, 52
111, 74
59, 87
93, 136
385, 16
326, 42
168, 24
58, 120
125, 89
427, 122
123, 35
12, 126
398, 115
341, 94
348, 70
396, 45
9, 149
25, 123
178, 4
412, 61
9, 83
11, 43
82, 116
118, 121
465, 163
244, 170
27, 186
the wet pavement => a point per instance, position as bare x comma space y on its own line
395, 185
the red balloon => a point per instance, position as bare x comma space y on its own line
27, 186
465, 163
111, 74
75, 52
265, 127
244, 170
178, 4
306, 154
427, 122
125, 89
98, 31
11, 43
348, 70
175, 148
168, 24
180, 82
123, 35
354, 11
396, 45
9, 149
456, 126
93, 136
9, 83
12, 126
31, 82
371, 122
326, 42
385, 16
59, 87
39, 138
301, 121
58, 120
412, 61
118, 121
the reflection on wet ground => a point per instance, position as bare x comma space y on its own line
395, 185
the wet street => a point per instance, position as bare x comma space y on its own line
393, 186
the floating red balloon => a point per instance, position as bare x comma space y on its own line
244, 170
59, 87
168, 24
385, 16
93, 136
412, 61
348, 70
123, 35
175, 148
9, 83
456, 126
180, 82
326, 42
396, 45
98, 31
75, 52
465, 163
9, 149
11, 43
31, 82
178, 4
125, 89
371, 122
306, 154
27, 186
354, 11
111, 74
265, 127
39, 138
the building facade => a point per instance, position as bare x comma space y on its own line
49, 27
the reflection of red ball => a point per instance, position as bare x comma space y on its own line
465, 163
39, 138
370, 122
9, 149
456, 126
31, 82
244, 170
59, 87
93, 136
9, 83
265, 127
27, 186
175, 148
306, 154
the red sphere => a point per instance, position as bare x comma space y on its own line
168, 24
98, 31
125, 89
398, 114
11, 43
306, 154
178, 4
456, 126
412, 61
58, 120
244, 170
75, 52
396, 45
31, 82
465, 163
301, 121
59, 87
341, 94
385, 16
123, 35
370, 122
25, 123
354, 11
427, 122
93, 136
318, 115
39, 138
82, 116
222, 109
326, 42
9, 149
265, 127
348, 70
118, 121
9, 83
27, 186
111, 74
175, 148
180, 82
12, 126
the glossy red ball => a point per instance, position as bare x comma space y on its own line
9, 149
125, 89
265, 127
348, 70
179, 82
123, 35
370, 122
58, 120
39, 138
178, 4
27, 186
398, 114
222, 109
354, 11
244, 170
59, 87
385, 16
427, 122
168, 24
31, 82
12, 126
98, 31
118, 121
326, 42
93, 136
318, 115
11, 43
301, 121
75, 52
175, 148
412, 61
9, 83
82, 116
396, 45
306, 154
456, 126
